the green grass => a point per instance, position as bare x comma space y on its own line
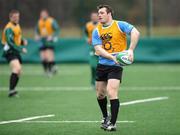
151, 118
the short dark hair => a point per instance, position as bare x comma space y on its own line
14, 11
108, 8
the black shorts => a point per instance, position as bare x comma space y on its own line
12, 56
105, 72
43, 48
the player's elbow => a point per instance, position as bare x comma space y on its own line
97, 50
136, 33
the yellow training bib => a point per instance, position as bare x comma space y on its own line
17, 33
45, 27
90, 27
113, 39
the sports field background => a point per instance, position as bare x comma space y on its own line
69, 97
66, 103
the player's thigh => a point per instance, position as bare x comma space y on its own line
15, 65
101, 89
50, 54
42, 53
112, 88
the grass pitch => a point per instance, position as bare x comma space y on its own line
69, 97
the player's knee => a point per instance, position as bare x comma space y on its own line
100, 95
17, 69
112, 94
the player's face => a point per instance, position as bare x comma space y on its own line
94, 17
44, 15
15, 18
103, 15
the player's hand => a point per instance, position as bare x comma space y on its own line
49, 38
24, 50
131, 55
25, 42
115, 60
37, 37
89, 41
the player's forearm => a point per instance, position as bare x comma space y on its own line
56, 33
101, 52
56, 29
134, 38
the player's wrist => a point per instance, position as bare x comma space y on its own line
111, 57
131, 49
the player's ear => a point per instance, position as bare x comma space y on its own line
109, 14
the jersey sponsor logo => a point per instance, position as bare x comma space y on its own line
107, 45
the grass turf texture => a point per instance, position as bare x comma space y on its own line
151, 118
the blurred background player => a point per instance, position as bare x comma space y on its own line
93, 59
13, 45
47, 31
108, 39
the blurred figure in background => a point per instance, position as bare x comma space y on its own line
93, 59
13, 45
47, 31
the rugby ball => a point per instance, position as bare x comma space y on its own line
123, 58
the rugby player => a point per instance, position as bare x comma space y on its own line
47, 31
13, 46
108, 39
93, 59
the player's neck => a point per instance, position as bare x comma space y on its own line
108, 23
94, 22
13, 23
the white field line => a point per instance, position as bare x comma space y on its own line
142, 101
83, 88
26, 119
67, 121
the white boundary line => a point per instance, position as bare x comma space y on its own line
142, 101
26, 119
84, 88
67, 121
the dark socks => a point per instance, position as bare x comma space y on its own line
114, 110
103, 106
50, 65
14, 78
45, 65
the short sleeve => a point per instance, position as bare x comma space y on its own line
125, 27
96, 40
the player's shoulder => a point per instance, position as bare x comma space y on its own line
89, 24
124, 26
95, 32
51, 19
8, 25
120, 21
